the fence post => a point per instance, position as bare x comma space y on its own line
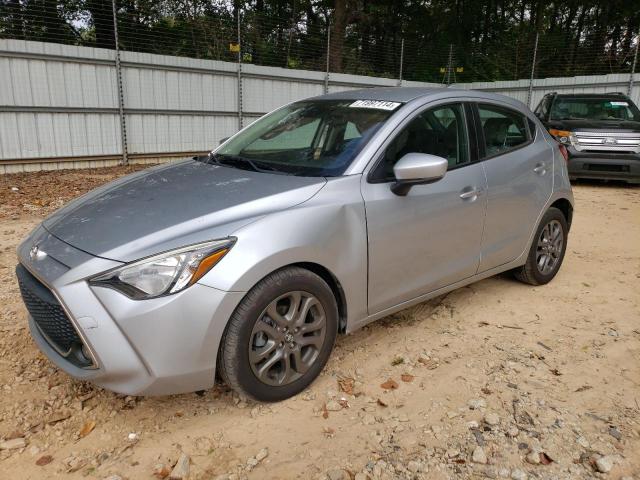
240, 119
326, 75
401, 62
633, 68
123, 123
449, 64
533, 71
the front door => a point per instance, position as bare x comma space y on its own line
431, 237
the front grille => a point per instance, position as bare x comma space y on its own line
47, 313
603, 167
620, 142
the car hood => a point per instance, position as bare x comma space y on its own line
172, 206
596, 125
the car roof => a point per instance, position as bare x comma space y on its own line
387, 94
407, 94
591, 95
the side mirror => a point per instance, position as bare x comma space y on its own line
222, 140
417, 169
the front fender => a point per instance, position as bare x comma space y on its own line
328, 230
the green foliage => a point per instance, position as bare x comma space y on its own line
490, 39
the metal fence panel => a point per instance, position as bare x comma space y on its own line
60, 102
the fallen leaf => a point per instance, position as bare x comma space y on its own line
325, 412
346, 385
87, 428
75, 468
44, 460
58, 417
407, 378
87, 396
162, 471
343, 403
390, 385
583, 388
430, 363
397, 361
328, 431
545, 459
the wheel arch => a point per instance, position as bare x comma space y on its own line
333, 282
325, 274
565, 206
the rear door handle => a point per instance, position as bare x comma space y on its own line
541, 168
470, 193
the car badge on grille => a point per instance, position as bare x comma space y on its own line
610, 141
36, 254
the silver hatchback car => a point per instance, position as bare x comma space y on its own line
319, 218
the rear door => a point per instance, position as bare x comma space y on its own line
429, 238
519, 166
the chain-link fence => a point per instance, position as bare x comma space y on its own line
312, 40
121, 103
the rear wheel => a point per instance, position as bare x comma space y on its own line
280, 336
547, 250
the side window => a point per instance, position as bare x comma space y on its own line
545, 107
503, 129
351, 131
439, 131
538, 110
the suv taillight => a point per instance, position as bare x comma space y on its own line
564, 152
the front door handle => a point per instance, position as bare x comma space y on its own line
470, 193
541, 168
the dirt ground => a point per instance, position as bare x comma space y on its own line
495, 380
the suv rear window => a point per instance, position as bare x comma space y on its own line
567, 108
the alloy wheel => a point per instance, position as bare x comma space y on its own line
549, 250
287, 338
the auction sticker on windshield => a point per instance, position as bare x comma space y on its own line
377, 104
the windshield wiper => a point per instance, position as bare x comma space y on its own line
225, 159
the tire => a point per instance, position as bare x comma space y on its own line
535, 271
271, 349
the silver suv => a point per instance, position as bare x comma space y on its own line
319, 218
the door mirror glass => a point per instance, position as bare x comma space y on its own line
417, 169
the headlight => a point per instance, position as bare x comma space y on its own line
563, 136
166, 273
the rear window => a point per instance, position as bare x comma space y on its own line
503, 129
602, 109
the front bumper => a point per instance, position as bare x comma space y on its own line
605, 166
151, 347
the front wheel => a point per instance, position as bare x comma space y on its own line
547, 250
280, 337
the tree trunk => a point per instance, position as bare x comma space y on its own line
338, 29
102, 15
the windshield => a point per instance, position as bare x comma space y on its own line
309, 138
593, 109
